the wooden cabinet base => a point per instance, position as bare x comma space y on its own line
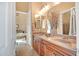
45, 48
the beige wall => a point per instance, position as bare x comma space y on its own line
22, 6
66, 17
66, 22
21, 20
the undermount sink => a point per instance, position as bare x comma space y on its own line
63, 41
68, 43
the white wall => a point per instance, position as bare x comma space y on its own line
29, 26
77, 26
7, 29
2, 27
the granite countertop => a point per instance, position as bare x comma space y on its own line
61, 41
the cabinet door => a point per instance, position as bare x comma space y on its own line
38, 46
34, 43
42, 51
56, 53
49, 52
48, 49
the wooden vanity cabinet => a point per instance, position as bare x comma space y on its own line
48, 50
45, 48
42, 49
36, 45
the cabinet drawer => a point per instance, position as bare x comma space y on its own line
47, 43
49, 52
58, 53
63, 51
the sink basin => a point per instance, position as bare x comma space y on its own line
68, 43
63, 41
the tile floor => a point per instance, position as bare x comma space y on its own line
25, 50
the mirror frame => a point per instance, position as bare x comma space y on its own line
61, 21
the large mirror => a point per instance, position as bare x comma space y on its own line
68, 18
66, 22
42, 24
54, 23
38, 23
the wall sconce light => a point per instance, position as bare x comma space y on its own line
56, 3
37, 15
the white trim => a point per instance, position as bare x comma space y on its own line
60, 29
66, 10
77, 27
61, 13
20, 12
6, 26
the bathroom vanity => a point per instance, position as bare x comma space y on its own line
57, 45
58, 30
